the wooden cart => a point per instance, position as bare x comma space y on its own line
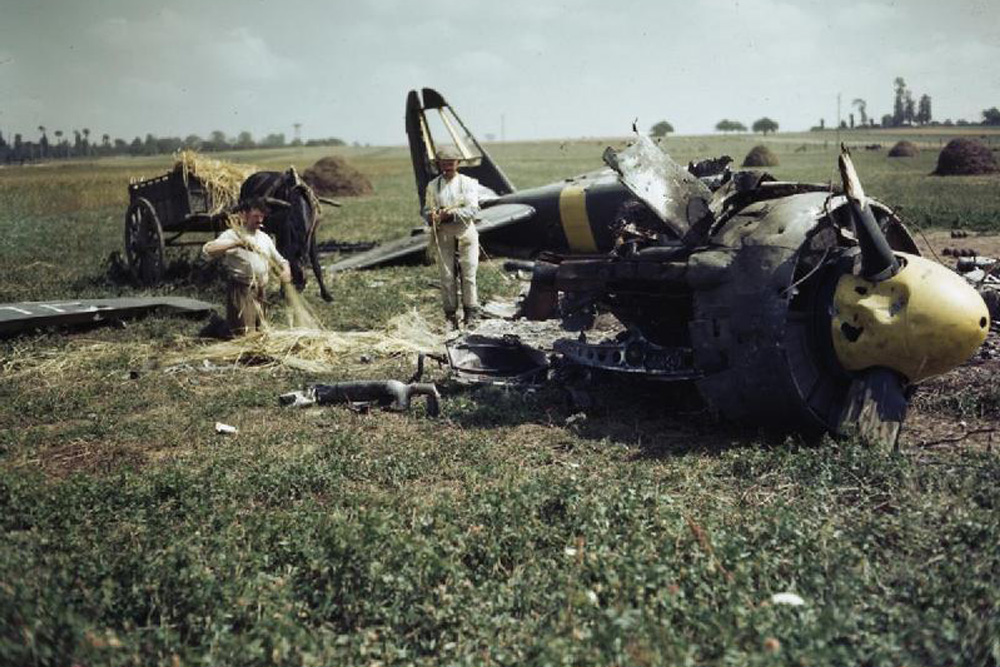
161, 210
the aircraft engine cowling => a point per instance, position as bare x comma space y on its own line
762, 303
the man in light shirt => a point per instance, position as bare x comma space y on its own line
248, 255
451, 206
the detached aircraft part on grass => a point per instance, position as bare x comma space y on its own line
30, 315
793, 306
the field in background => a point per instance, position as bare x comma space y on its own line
502, 533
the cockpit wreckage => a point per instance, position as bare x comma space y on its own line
795, 306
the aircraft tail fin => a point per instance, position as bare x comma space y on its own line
431, 122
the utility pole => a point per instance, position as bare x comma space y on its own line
298, 129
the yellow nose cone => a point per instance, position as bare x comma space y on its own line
922, 322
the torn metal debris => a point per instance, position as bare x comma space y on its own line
30, 315
479, 359
388, 394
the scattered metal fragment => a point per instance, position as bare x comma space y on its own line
30, 315
389, 394
479, 359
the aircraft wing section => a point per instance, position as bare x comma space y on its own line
502, 215
411, 247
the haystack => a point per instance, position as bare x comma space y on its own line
760, 156
332, 176
965, 157
221, 179
904, 149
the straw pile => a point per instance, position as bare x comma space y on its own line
221, 179
332, 176
760, 156
962, 157
315, 350
904, 149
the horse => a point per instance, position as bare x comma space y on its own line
294, 228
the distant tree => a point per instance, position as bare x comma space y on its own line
121, 146
899, 104
850, 117
192, 141
135, 148
961, 122
86, 141
726, 125
661, 129
244, 140
991, 116
764, 125
329, 141
77, 143
216, 141
167, 145
909, 108
61, 150
924, 109
862, 106
273, 140
43, 142
888, 120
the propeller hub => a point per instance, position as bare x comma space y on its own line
921, 322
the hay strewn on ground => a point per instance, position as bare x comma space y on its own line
315, 350
331, 176
904, 149
965, 157
222, 179
760, 156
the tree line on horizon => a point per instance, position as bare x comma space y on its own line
906, 112
18, 150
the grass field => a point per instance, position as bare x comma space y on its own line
645, 534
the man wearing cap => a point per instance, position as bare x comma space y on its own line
451, 206
248, 255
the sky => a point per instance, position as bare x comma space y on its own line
516, 69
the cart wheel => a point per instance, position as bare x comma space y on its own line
144, 242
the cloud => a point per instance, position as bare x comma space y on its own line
244, 55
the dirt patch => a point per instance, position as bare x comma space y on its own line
904, 149
932, 245
962, 157
332, 176
760, 156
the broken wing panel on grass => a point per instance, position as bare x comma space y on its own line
30, 315
490, 219
677, 197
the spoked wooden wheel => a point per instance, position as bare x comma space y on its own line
144, 242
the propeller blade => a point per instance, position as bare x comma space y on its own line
877, 259
875, 407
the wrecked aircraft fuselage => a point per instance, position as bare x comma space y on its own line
790, 305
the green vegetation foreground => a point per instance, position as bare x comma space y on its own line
502, 533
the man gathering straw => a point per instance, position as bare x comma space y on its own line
249, 256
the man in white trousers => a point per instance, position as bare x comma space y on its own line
451, 206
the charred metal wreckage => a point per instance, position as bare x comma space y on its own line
789, 305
